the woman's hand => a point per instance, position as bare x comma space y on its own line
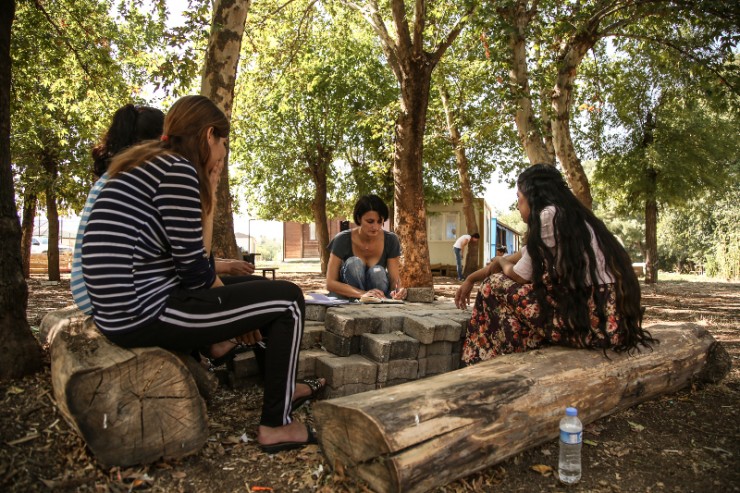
462, 295
214, 174
375, 292
234, 267
399, 294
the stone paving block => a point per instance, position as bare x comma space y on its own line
435, 348
349, 389
391, 383
307, 362
354, 369
434, 365
312, 335
420, 294
448, 330
407, 369
340, 345
316, 313
420, 328
455, 362
245, 365
457, 346
385, 347
354, 321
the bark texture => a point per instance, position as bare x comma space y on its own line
519, 16
131, 406
29, 218
219, 79
17, 343
421, 435
561, 104
50, 164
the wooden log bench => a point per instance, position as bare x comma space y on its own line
131, 406
424, 434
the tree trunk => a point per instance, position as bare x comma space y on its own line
651, 234
529, 133
219, 78
651, 204
418, 436
561, 104
413, 67
323, 159
22, 354
29, 218
410, 221
49, 162
471, 258
131, 406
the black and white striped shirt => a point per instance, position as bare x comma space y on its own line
143, 239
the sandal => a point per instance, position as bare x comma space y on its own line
316, 387
274, 448
225, 358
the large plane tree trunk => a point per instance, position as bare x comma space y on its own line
530, 136
22, 354
219, 79
561, 105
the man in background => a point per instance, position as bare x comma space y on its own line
459, 248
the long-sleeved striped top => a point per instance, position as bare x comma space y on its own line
144, 237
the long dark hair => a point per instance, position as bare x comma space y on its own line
185, 133
130, 125
543, 185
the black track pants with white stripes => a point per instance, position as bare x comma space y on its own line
193, 319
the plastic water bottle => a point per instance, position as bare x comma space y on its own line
569, 463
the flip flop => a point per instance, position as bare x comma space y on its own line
226, 357
316, 387
274, 448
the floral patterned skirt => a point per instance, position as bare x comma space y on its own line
507, 318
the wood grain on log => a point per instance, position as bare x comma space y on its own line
131, 406
424, 434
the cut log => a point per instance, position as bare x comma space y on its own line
424, 434
131, 406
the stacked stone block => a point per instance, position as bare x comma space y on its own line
357, 347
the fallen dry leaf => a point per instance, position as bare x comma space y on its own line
635, 427
543, 469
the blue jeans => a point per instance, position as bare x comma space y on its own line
355, 273
458, 258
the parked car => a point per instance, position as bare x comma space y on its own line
40, 244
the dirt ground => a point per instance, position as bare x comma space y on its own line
684, 442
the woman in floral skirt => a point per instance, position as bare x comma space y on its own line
544, 294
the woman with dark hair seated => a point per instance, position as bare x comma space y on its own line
572, 284
365, 260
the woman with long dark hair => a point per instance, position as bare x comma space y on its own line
572, 284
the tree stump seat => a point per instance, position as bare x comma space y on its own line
131, 406
423, 434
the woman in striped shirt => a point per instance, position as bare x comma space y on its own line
145, 261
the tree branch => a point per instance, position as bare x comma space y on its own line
687, 54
